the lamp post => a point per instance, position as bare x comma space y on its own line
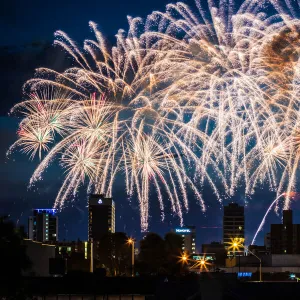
260, 273
236, 243
92, 257
130, 241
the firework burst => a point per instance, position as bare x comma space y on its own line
193, 95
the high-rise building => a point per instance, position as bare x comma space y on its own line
188, 235
101, 217
285, 237
233, 226
43, 225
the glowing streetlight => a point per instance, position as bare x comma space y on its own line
236, 243
184, 258
130, 241
202, 262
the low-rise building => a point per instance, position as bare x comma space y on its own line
39, 255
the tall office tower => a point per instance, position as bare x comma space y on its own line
188, 235
285, 237
233, 227
43, 225
101, 217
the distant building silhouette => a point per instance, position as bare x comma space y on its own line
233, 225
188, 234
285, 237
217, 249
43, 225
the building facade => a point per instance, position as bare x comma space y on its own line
101, 217
39, 255
285, 237
267, 241
217, 250
233, 227
43, 225
188, 235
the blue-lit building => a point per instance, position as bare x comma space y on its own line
43, 225
188, 234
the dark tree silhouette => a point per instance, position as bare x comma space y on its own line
173, 244
13, 258
114, 254
152, 255
159, 256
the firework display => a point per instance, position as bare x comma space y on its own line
193, 96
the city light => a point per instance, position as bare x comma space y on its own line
184, 258
130, 241
236, 244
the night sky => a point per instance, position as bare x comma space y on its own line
27, 29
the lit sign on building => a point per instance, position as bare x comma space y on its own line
99, 201
244, 274
46, 210
201, 257
183, 230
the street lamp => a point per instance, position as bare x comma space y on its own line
202, 264
184, 258
130, 241
235, 244
260, 273
238, 243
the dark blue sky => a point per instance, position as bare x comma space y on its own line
27, 29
